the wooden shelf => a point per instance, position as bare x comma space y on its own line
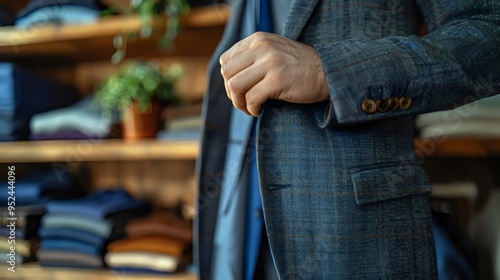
459, 147
90, 42
97, 150
34, 271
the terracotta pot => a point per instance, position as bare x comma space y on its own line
138, 125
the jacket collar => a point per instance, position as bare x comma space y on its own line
300, 11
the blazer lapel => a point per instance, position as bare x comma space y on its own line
300, 11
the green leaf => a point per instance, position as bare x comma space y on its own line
117, 57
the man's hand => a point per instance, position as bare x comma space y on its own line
268, 66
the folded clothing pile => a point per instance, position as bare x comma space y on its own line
24, 94
156, 244
477, 119
84, 119
20, 234
7, 101
40, 187
41, 12
74, 233
21, 223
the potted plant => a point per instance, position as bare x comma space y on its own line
138, 90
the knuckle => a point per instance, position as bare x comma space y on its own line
223, 69
223, 58
273, 59
250, 98
263, 45
233, 85
258, 35
261, 41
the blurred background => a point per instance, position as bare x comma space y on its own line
100, 105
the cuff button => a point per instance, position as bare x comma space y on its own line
382, 106
405, 102
369, 106
394, 103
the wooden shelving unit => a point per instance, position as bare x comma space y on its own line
162, 171
90, 42
201, 31
459, 147
97, 150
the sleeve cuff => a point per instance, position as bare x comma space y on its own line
325, 114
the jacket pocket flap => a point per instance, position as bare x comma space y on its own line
374, 184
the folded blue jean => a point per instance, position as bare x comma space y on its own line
65, 258
109, 229
27, 193
7, 103
34, 94
97, 205
73, 234
97, 227
6, 232
38, 187
63, 244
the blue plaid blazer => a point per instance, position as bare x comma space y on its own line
343, 191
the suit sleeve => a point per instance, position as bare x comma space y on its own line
456, 63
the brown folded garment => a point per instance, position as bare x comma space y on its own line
161, 222
151, 243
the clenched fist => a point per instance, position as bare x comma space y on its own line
268, 66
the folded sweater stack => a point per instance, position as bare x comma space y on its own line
154, 244
74, 233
